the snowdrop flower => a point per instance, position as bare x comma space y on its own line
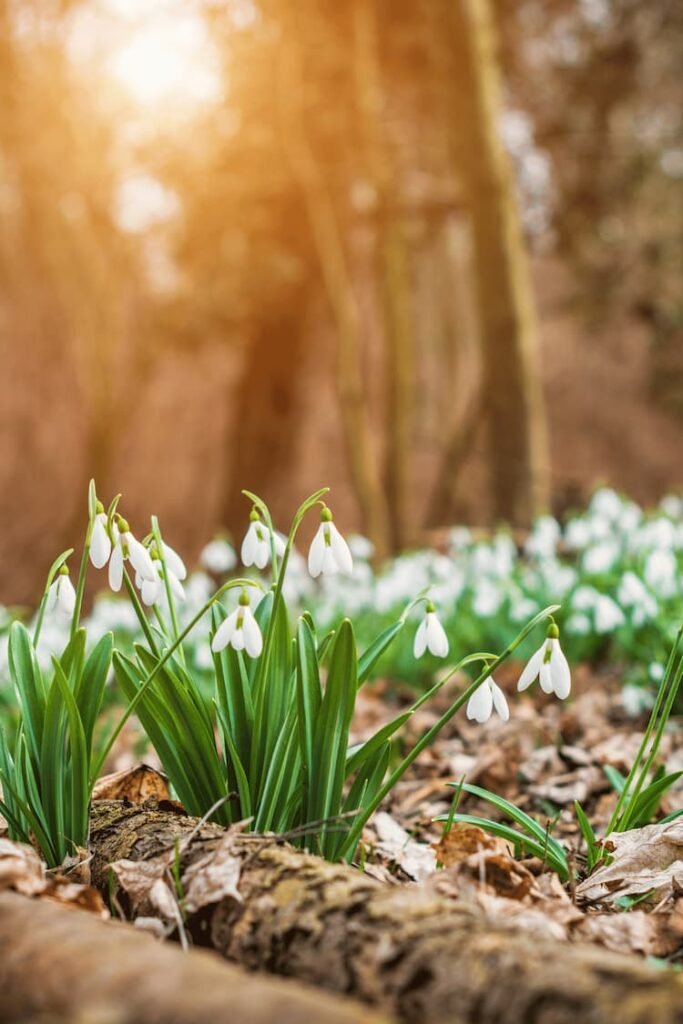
329, 553
487, 698
543, 540
152, 590
601, 557
256, 543
174, 562
608, 615
633, 594
127, 547
61, 595
661, 573
240, 630
430, 635
549, 665
218, 556
100, 541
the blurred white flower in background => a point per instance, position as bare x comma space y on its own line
218, 556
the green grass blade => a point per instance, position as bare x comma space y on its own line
28, 683
332, 730
374, 652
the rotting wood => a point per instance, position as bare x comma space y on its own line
60, 966
405, 949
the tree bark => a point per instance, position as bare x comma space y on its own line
59, 965
512, 393
408, 950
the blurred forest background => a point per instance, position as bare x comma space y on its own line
425, 251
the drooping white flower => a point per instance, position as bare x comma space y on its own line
256, 544
549, 665
100, 541
61, 595
240, 630
329, 553
218, 556
152, 591
430, 635
487, 698
174, 562
127, 547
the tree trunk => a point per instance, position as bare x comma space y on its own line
393, 269
60, 965
408, 950
512, 395
329, 242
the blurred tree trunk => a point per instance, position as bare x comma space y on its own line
336, 273
394, 271
512, 398
267, 419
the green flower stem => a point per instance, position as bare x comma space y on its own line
356, 831
140, 612
156, 532
160, 664
624, 795
82, 573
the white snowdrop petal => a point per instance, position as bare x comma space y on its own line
262, 553
316, 553
330, 566
52, 596
116, 568
140, 558
437, 641
253, 641
177, 589
237, 641
248, 549
559, 670
545, 677
150, 591
280, 544
223, 634
174, 562
499, 701
420, 643
531, 669
66, 596
341, 550
480, 704
100, 544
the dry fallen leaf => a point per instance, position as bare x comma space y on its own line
146, 884
416, 859
21, 868
463, 840
214, 876
648, 859
633, 932
135, 785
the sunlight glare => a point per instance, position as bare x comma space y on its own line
169, 58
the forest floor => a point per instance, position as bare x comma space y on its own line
546, 757
437, 899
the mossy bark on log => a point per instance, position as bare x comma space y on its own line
59, 966
405, 949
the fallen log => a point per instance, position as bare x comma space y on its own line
60, 965
405, 949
